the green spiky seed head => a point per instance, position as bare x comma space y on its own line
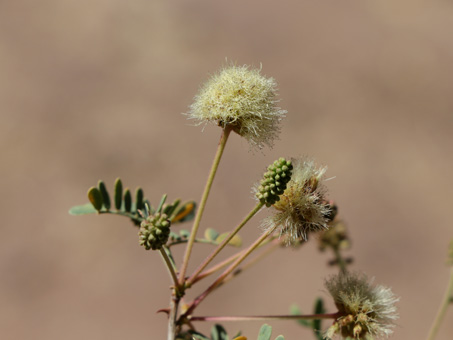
154, 231
274, 182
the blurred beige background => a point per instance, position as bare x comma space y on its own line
95, 89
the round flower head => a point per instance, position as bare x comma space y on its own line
367, 311
242, 99
302, 207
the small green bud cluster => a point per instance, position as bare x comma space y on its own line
274, 182
154, 231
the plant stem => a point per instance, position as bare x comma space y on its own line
222, 245
236, 263
266, 317
170, 268
251, 262
443, 308
340, 260
221, 147
222, 264
172, 317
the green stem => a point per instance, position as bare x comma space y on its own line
228, 271
170, 267
221, 147
443, 308
266, 317
222, 245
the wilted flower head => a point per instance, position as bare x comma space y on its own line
243, 99
368, 311
302, 207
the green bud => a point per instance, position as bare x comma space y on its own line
274, 182
95, 197
127, 200
139, 199
154, 231
118, 196
105, 195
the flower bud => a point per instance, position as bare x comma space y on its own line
154, 231
274, 182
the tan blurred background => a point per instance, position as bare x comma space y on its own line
95, 89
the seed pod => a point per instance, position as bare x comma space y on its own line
105, 195
139, 199
118, 196
95, 197
127, 200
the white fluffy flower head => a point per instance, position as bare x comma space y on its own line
368, 311
241, 98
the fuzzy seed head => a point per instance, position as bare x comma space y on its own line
243, 99
368, 310
302, 208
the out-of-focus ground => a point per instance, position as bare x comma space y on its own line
95, 89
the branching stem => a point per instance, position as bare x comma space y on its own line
222, 245
228, 271
225, 263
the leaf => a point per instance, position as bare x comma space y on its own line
162, 202
198, 336
184, 213
139, 198
170, 208
240, 338
127, 200
236, 241
319, 309
218, 333
174, 236
84, 209
184, 233
280, 337
118, 193
105, 195
265, 332
210, 234
95, 197
294, 310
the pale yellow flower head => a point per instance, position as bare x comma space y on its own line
367, 311
241, 98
